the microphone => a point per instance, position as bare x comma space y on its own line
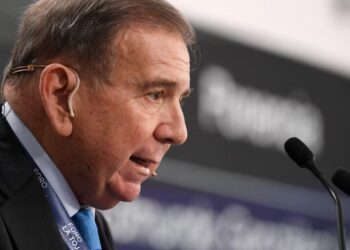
303, 156
341, 178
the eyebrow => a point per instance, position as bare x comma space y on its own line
157, 83
163, 83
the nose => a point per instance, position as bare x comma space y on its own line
172, 127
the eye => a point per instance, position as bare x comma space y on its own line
183, 100
185, 97
155, 95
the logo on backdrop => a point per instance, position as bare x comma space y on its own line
191, 226
259, 117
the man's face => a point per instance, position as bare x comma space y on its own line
123, 131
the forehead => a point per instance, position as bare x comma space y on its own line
143, 35
151, 50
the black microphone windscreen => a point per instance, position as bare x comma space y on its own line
298, 151
341, 178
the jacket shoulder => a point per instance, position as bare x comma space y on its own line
5, 241
15, 167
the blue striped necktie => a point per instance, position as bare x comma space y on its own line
84, 220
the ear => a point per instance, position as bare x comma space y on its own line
57, 84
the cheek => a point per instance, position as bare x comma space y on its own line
112, 136
135, 126
97, 144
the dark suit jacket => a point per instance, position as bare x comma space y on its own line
26, 221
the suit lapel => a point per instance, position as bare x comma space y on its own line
23, 207
104, 233
29, 220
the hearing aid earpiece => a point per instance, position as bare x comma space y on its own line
71, 95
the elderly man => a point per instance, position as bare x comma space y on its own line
93, 96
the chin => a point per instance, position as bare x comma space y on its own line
106, 205
112, 202
125, 193
128, 196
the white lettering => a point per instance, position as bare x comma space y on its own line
41, 179
75, 237
259, 117
195, 227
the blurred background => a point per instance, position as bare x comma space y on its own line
264, 71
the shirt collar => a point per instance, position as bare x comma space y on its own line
45, 164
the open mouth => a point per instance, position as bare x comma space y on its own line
139, 161
144, 163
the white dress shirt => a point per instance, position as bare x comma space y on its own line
45, 164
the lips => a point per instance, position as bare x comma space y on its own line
146, 163
139, 161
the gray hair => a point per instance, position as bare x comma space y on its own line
81, 32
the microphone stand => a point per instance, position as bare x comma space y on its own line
340, 223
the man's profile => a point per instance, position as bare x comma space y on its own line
92, 102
